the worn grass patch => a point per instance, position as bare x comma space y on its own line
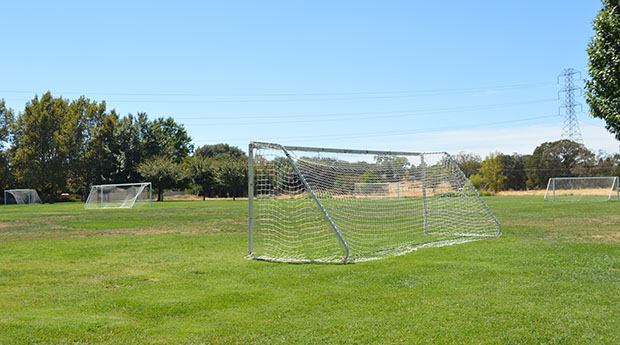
177, 274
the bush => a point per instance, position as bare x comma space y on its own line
476, 180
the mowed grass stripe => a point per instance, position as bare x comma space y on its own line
553, 277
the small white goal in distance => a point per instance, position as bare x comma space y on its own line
583, 188
124, 195
21, 197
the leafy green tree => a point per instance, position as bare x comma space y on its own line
476, 180
603, 87
202, 172
214, 151
128, 148
163, 172
6, 119
514, 170
607, 165
393, 167
369, 177
562, 158
99, 161
41, 138
468, 162
165, 137
491, 172
90, 160
232, 174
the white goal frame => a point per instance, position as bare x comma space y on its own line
615, 185
30, 192
426, 199
97, 191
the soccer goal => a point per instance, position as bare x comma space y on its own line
21, 197
125, 195
310, 204
583, 188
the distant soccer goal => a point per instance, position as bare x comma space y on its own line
125, 195
21, 197
315, 204
583, 188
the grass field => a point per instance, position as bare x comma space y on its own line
177, 274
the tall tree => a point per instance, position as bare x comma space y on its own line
603, 87
562, 158
41, 140
217, 150
491, 171
233, 176
202, 172
163, 172
6, 119
90, 161
167, 138
393, 167
514, 170
468, 162
128, 148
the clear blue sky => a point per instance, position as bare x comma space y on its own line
476, 76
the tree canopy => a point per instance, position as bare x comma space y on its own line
58, 145
491, 171
603, 87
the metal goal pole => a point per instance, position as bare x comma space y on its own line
250, 199
425, 210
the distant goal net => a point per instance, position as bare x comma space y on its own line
21, 197
583, 189
126, 195
316, 204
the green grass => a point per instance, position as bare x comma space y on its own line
177, 274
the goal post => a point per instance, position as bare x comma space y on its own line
123, 195
583, 188
315, 205
21, 197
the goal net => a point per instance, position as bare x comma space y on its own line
21, 197
305, 204
377, 190
583, 188
124, 195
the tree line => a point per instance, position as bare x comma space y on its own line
58, 145
562, 158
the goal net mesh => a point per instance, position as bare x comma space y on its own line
582, 189
21, 196
376, 190
321, 219
119, 196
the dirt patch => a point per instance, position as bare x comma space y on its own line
146, 232
189, 197
574, 192
8, 225
59, 217
540, 192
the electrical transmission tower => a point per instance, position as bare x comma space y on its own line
571, 125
